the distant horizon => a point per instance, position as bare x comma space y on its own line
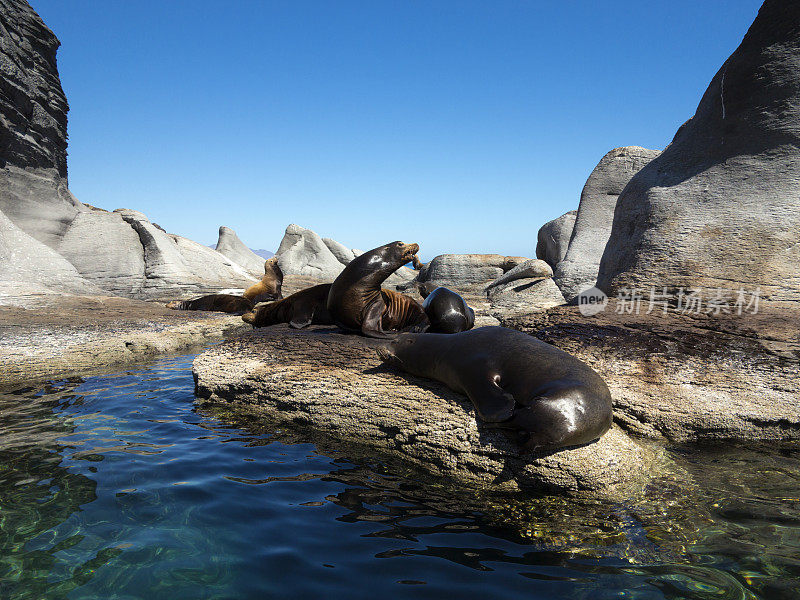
460, 126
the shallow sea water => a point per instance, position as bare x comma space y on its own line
119, 486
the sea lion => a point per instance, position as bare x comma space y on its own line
448, 312
299, 310
227, 303
357, 302
514, 380
269, 288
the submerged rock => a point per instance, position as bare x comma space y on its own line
337, 385
577, 271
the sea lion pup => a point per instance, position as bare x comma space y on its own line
299, 310
227, 303
357, 302
549, 397
269, 288
448, 312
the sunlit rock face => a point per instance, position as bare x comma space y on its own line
720, 207
553, 238
94, 251
578, 267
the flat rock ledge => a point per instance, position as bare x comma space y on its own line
61, 336
336, 384
687, 377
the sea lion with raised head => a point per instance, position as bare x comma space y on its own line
299, 310
550, 398
227, 303
357, 302
447, 311
269, 288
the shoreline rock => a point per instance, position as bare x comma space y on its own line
687, 377
335, 383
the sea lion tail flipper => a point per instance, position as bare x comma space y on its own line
491, 402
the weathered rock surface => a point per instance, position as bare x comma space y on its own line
337, 385
116, 253
691, 376
303, 252
577, 271
28, 267
719, 207
533, 268
553, 238
59, 336
33, 107
466, 273
520, 296
233, 248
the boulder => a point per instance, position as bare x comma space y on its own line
532, 268
233, 248
525, 295
302, 252
553, 238
336, 385
577, 271
719, 207
28, 267
342, 253
106, 250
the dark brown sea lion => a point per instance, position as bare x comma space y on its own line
269, 288
549, 397
357, 302
448, 312
227, 303
299, 310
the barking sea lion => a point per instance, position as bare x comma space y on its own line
357, 302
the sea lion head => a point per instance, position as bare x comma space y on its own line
263, 315
398, 352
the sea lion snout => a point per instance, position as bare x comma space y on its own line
409, 252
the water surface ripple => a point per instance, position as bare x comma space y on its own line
117, 486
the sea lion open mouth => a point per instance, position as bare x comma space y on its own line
410, 253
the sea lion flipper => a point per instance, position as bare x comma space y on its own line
302, 316
371, 325
491, 402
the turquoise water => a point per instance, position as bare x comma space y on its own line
118, 486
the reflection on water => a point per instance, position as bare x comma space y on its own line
118, 487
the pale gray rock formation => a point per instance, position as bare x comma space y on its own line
233, 248
719, 207
336, 385
532, 268
578, 269
302, 252
106, 250
523, 295
466, 273
553, 238
28, 267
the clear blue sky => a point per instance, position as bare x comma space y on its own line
463, 126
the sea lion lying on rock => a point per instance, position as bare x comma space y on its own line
448, 312
227, 303
357, 302
269, 288
550, 398
299, 310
